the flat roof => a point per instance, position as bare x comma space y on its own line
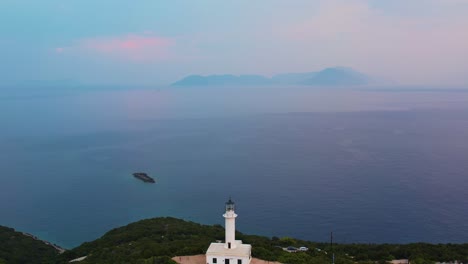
241, 250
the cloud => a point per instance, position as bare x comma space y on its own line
409, 42
131, 47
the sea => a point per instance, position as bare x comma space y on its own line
371, 165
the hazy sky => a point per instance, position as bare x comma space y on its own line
156, 42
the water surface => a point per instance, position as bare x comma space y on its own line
373, 166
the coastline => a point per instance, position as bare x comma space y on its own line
57, 247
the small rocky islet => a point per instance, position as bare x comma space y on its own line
144, 177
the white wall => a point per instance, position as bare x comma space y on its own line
221, 259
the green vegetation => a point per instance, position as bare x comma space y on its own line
139, 242
157, 240
167, 237
18, 248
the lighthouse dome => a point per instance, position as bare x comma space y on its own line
230, 205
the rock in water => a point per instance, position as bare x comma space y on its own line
144, 177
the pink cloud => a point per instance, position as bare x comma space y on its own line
129, 47
59, 50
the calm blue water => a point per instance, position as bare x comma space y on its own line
370, 166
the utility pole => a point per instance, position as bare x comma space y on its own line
331, 245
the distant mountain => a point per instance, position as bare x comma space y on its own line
227, 79
337, 76
292, 78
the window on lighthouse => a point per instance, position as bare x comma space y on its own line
215, 260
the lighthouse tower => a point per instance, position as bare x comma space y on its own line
232, 251
230, 225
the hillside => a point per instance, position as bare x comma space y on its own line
15, 247
167, 237
157, 240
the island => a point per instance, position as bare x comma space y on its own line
144, 177
335, 76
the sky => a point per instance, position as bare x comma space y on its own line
147, 42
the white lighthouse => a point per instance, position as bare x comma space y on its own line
230, 225
232, 251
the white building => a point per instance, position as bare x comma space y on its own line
232, 251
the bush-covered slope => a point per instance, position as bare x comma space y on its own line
15, 247
139, 242
157, 240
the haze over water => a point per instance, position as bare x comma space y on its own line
371, 165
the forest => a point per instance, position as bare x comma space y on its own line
157, 240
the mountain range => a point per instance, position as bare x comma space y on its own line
336, 76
